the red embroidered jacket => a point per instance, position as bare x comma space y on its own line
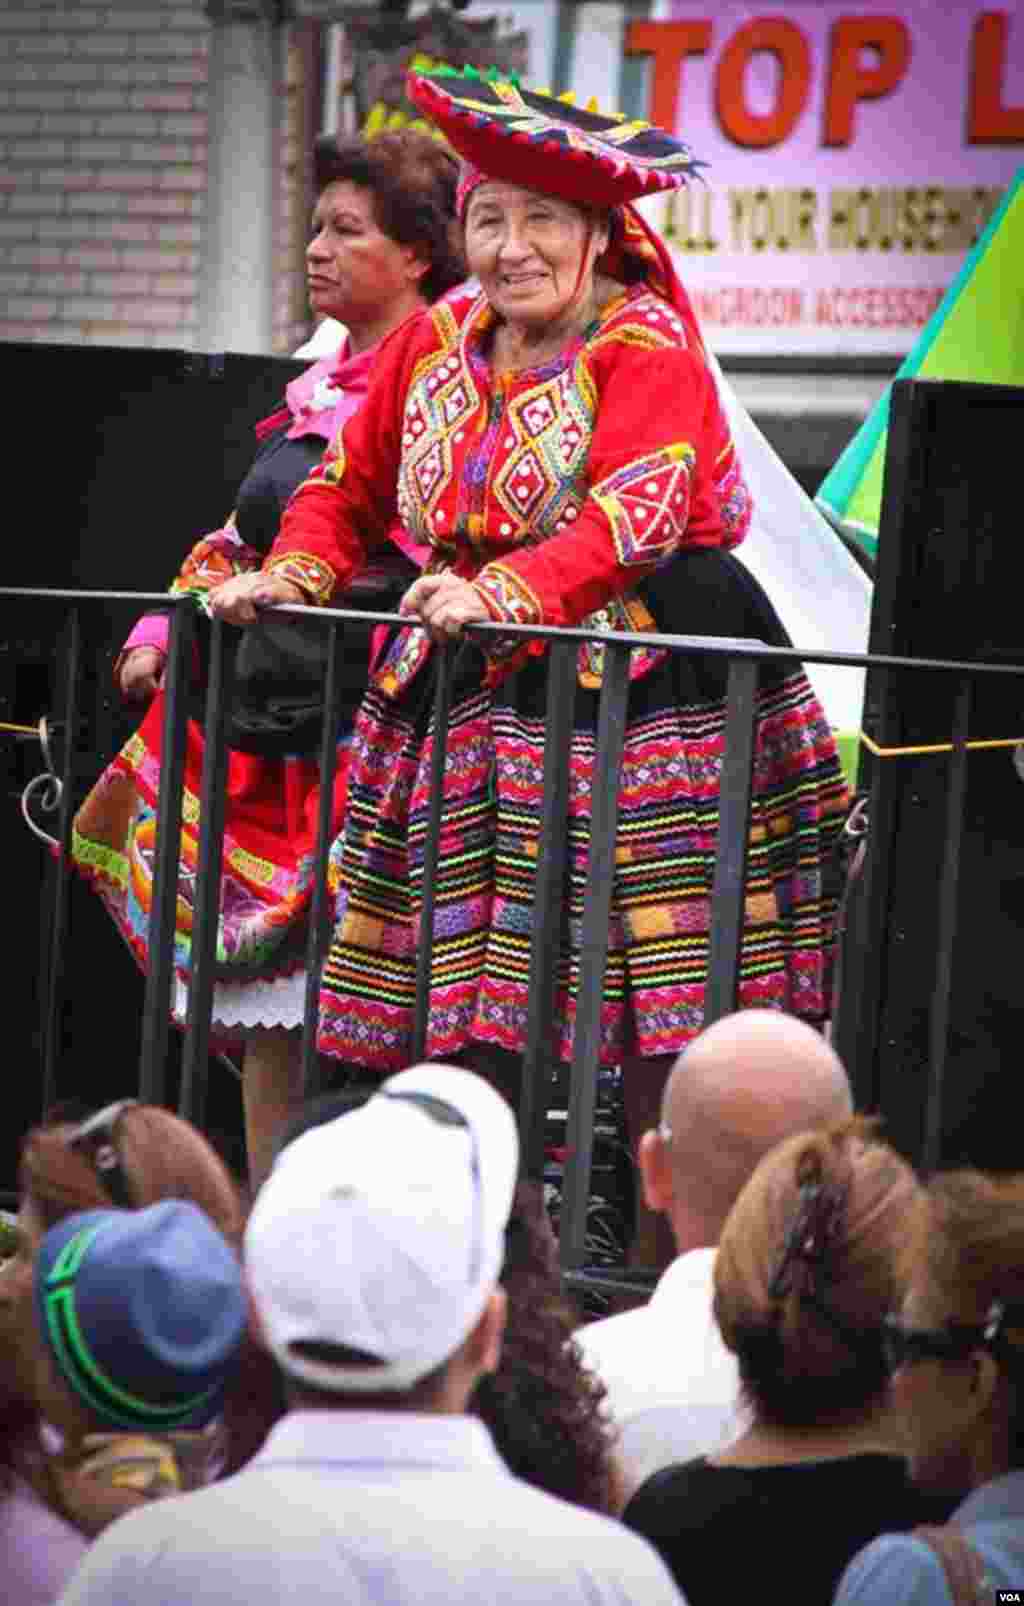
554, 489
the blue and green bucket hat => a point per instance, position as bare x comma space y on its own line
142, 1312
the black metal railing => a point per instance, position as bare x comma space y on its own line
743, 656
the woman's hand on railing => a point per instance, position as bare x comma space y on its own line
141, 673
445, 604
238, 600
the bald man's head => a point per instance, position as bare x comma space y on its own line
737, 1090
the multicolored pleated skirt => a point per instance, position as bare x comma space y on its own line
666, 842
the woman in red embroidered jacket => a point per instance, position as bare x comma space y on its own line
383, 246
560, 444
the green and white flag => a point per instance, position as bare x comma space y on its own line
976, 333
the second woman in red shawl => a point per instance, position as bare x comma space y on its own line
382, 247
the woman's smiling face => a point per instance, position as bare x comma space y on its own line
526, 250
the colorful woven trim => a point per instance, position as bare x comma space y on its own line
526, 137
507, 597
311, 574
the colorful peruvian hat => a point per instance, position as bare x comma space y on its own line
546, 143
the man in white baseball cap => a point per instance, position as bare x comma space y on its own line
373, 1256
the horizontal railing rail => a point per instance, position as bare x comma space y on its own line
743, 655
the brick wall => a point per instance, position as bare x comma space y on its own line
103, 153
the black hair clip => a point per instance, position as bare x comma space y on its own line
818, 1226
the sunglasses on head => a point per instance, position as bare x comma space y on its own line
905, 1346
94, 1138
446, 1114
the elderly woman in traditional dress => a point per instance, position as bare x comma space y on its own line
560, 444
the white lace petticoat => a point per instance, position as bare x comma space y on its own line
246, 1005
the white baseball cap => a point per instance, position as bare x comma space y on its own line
383, 1231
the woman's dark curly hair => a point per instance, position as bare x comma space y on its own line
544, 1409
412, 179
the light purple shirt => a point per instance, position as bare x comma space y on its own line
38, 1550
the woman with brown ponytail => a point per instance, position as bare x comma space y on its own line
806, 1271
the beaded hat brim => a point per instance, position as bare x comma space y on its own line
544, 143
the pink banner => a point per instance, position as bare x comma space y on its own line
855, 154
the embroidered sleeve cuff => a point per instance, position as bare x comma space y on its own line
216, 558
314, 578
507, 597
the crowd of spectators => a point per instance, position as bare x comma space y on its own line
369, 1386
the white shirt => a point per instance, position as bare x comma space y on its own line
673, 1387
375, 1507
325, 339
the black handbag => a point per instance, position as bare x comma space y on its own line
277, 702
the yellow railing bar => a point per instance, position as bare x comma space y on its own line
936, 747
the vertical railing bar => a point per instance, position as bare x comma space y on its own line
319, 933
432, 849
729, 884
949, 886
62, 877
206, 904
857, 1022
548, 899
160, 974
604, 816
